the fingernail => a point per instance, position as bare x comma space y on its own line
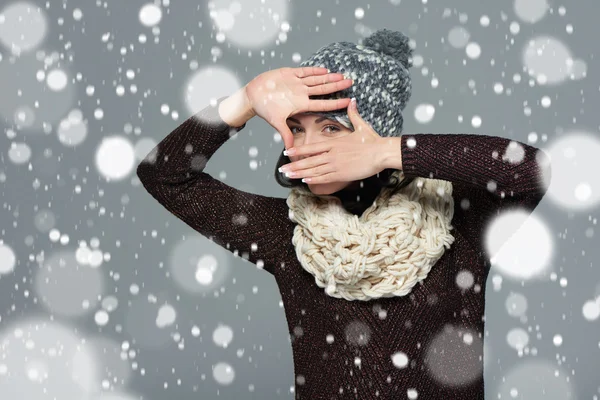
353, 101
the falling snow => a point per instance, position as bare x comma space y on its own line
106, 297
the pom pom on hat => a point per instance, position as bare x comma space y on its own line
392, 43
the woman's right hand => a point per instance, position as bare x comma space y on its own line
280, 93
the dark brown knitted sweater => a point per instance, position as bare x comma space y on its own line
348, 349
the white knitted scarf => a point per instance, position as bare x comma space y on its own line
383, 253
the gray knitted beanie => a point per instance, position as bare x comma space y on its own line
382, 85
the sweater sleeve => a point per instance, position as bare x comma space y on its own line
489, 175
238, 221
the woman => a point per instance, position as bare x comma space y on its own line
362, 254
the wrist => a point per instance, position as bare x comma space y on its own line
391, 153
236, 110
248, 108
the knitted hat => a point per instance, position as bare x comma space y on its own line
382, 85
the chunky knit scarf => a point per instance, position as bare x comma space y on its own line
383, 253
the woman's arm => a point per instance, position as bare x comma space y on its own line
241, 222
236, 109
489, 174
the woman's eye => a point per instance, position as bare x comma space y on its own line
336, 129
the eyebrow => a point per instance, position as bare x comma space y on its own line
316, 122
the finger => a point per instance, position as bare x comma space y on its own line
286, 134
312, 149
321, 79
329, 87
327, 105
352, 106
306, 71
325, 178
353, 112
314, 165
355, 119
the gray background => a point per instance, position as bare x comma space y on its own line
40, 194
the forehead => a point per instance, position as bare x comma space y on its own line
310, 117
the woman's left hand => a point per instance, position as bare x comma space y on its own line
348, 158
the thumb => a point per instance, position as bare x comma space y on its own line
286, 134
353, 113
